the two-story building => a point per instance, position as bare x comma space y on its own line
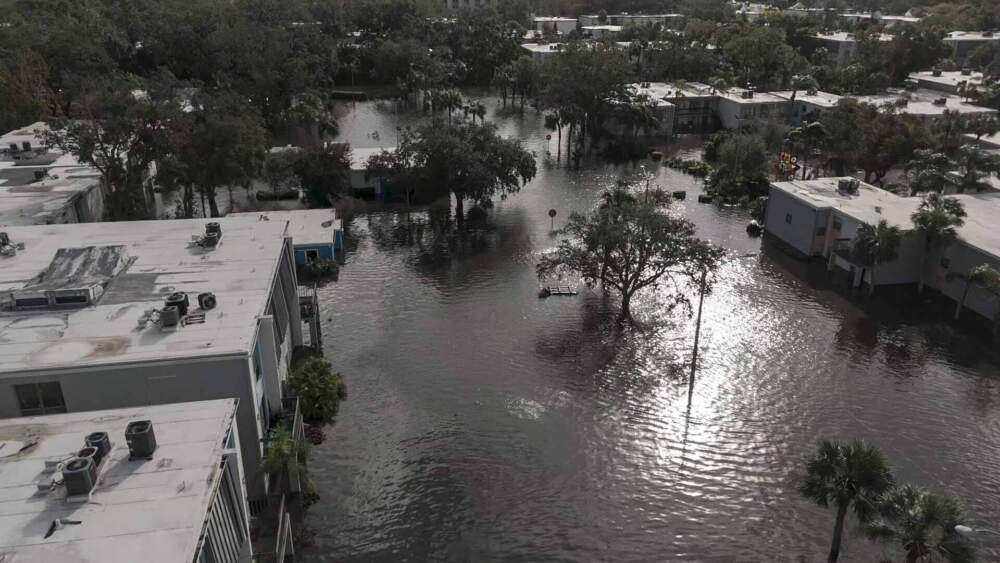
820, 218
115, 315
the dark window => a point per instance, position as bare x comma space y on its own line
821, 231
72, 300
27, 302
945, 263
788, 218
256, 361
837, 224
312, 256
40, 398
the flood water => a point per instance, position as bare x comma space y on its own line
483, 423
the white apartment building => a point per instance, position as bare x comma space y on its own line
556, 25
843, 46
820, 218
964, 43
159, 484
43, 186
119, 315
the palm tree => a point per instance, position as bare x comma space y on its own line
983, 276
807, 139
923, 524
876, 245
848, 476
937, 219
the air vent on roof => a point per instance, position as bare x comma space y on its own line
79, 476
966, 72
987, 34
940, 101
213, 233
936, 72
141, 439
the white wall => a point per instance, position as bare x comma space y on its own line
798, 234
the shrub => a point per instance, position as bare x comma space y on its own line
318, 388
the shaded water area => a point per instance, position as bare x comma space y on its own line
484, 423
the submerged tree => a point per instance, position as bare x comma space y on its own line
874, 246
319, 389
631, 242
850, 477
324, 172
937, 219
923, 524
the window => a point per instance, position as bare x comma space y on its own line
40, 398
788, 218
837, 224
945, 263
312, 256
30, 302
72, 300
821, 231
256, 361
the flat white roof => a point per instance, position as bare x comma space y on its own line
871, 204
922, 102
972, 36
845, 37
868, 16
989, 141
950, 78
145, 510
822, 99
734, 95
239, 271
553, 19
306, 227
602, 27
542, 47
655, 92
27, 201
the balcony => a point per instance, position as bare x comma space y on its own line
272, 527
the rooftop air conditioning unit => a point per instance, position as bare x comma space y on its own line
26, 146
855, 185
14, 148
936, 72
940, 101
39, 174
79, 476
141, 439
987, 34
101, 442
170, 317
180, 301
844, 185
966, 72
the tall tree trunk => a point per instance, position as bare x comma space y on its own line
626, 311
838, 534
923, 271
961, 304
459, 212
213, 206
871, 280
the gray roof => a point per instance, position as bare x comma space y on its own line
145, 510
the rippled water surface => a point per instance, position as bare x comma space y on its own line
484, 423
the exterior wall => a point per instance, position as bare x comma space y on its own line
961, 259
456, 5
961, 49
695, 114
665, 114
797, 233
556, 26
110, 387
733, 113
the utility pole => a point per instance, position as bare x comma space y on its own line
697, 334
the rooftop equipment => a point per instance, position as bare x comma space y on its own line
206, 300
180, 301
170, 316
79, 476
141, 439
101, 442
